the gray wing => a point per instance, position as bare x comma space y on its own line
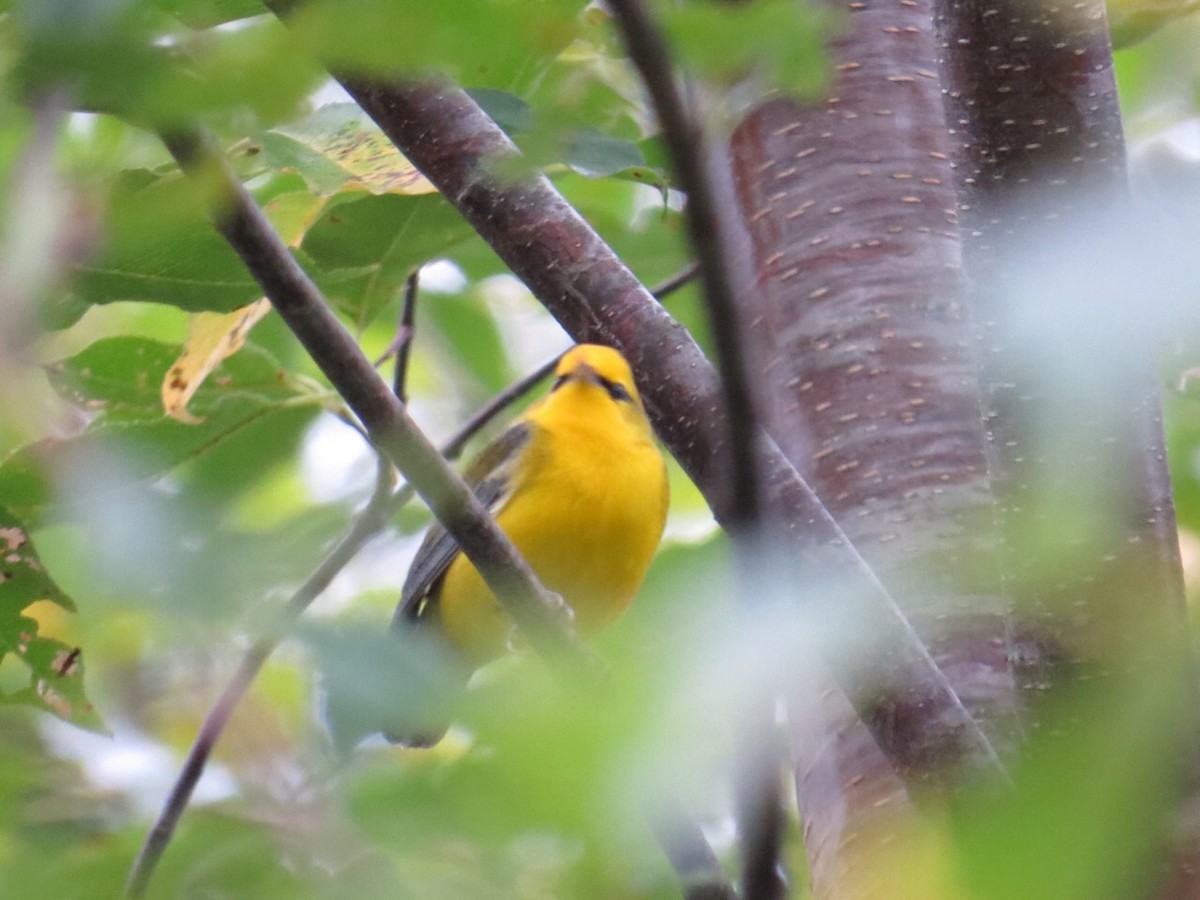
490, 477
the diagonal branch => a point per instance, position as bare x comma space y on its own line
301, 305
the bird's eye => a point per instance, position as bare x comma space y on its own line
558, 382
616, 391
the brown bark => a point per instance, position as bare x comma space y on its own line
849, 795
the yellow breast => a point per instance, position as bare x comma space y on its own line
587, 511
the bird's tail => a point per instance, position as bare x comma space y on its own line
425, 704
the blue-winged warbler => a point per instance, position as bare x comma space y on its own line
580, 488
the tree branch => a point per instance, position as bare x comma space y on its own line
709, 216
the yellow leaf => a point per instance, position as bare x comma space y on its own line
293, 213
53, 621
342, 134
212, 337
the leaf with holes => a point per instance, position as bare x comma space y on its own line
54, 669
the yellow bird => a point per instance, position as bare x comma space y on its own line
580, 488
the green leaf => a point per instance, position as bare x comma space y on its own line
160, 247
283, 153
1088, 816
595, 154
55, 670
357, 661
480, 43
1131, 21
23, 580
124, 63
119, 379
207, 13
372, 243
470, 328
338, 145
508, 111
782, 39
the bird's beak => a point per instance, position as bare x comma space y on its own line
584, 373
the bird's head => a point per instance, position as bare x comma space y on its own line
598, 372
596, 383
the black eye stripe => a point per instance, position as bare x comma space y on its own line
616, 391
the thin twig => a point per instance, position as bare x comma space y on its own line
760, 813
684, 276
405, 332
711, 236
366, 524
758, 786
375, 515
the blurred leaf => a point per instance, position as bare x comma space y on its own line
119, 378
470, 328
1093, 796
207, 13
633, 219
782, 39
212, 338
480, 43
507, 110
55, 670
292, 214
1130, 21
376, 679
124, 64
32, 476
219, 854
595, 154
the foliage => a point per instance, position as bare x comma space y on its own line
163, 546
